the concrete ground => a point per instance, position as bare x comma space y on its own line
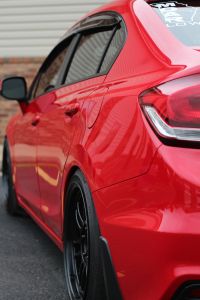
31, 267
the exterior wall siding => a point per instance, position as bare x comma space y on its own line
32, 27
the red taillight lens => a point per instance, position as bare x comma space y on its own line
173, 108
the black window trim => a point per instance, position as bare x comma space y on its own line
68, 58
92, 22
87, 30
106, 49
97, 73
76, 33
35, 83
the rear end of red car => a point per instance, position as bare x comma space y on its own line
155, 237
172, 110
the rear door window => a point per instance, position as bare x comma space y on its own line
88, 56
182, 19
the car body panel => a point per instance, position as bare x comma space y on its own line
25, 159
155, 220
53, 145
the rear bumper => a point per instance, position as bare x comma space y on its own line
152, 225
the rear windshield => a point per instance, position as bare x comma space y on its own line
182, 19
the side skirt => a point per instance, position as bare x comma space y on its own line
42, 225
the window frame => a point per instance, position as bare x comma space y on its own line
82, 28
92, 24
97, 74
49, 59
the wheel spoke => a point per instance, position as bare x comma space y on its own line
79, 219
83, 276
81, 266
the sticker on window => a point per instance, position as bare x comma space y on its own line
182, 18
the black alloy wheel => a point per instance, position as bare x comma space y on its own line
82, 260
78, 251
8, 185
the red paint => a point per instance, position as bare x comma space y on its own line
146, 194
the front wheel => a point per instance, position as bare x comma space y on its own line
8, 185
82, 260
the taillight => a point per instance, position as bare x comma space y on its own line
173, 109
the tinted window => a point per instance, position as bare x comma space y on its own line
113, 50
182, 18
88, 56
49, 76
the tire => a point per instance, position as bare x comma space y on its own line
82, 257
8, 185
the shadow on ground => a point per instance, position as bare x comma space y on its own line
31, 267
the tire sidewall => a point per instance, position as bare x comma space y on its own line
7, 179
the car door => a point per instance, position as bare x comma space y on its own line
25, 140
60, 121
26, 134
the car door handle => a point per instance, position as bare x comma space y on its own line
35, 121
72, 109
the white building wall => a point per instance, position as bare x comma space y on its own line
32, 27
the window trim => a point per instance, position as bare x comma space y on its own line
116, 27
68, 58
97, 72
72, 34
87, 24
63, 44
107, 48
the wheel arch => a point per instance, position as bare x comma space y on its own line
78, 160
110, 283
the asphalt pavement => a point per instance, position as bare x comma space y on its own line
31, 266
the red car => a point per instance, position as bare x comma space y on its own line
105, 155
